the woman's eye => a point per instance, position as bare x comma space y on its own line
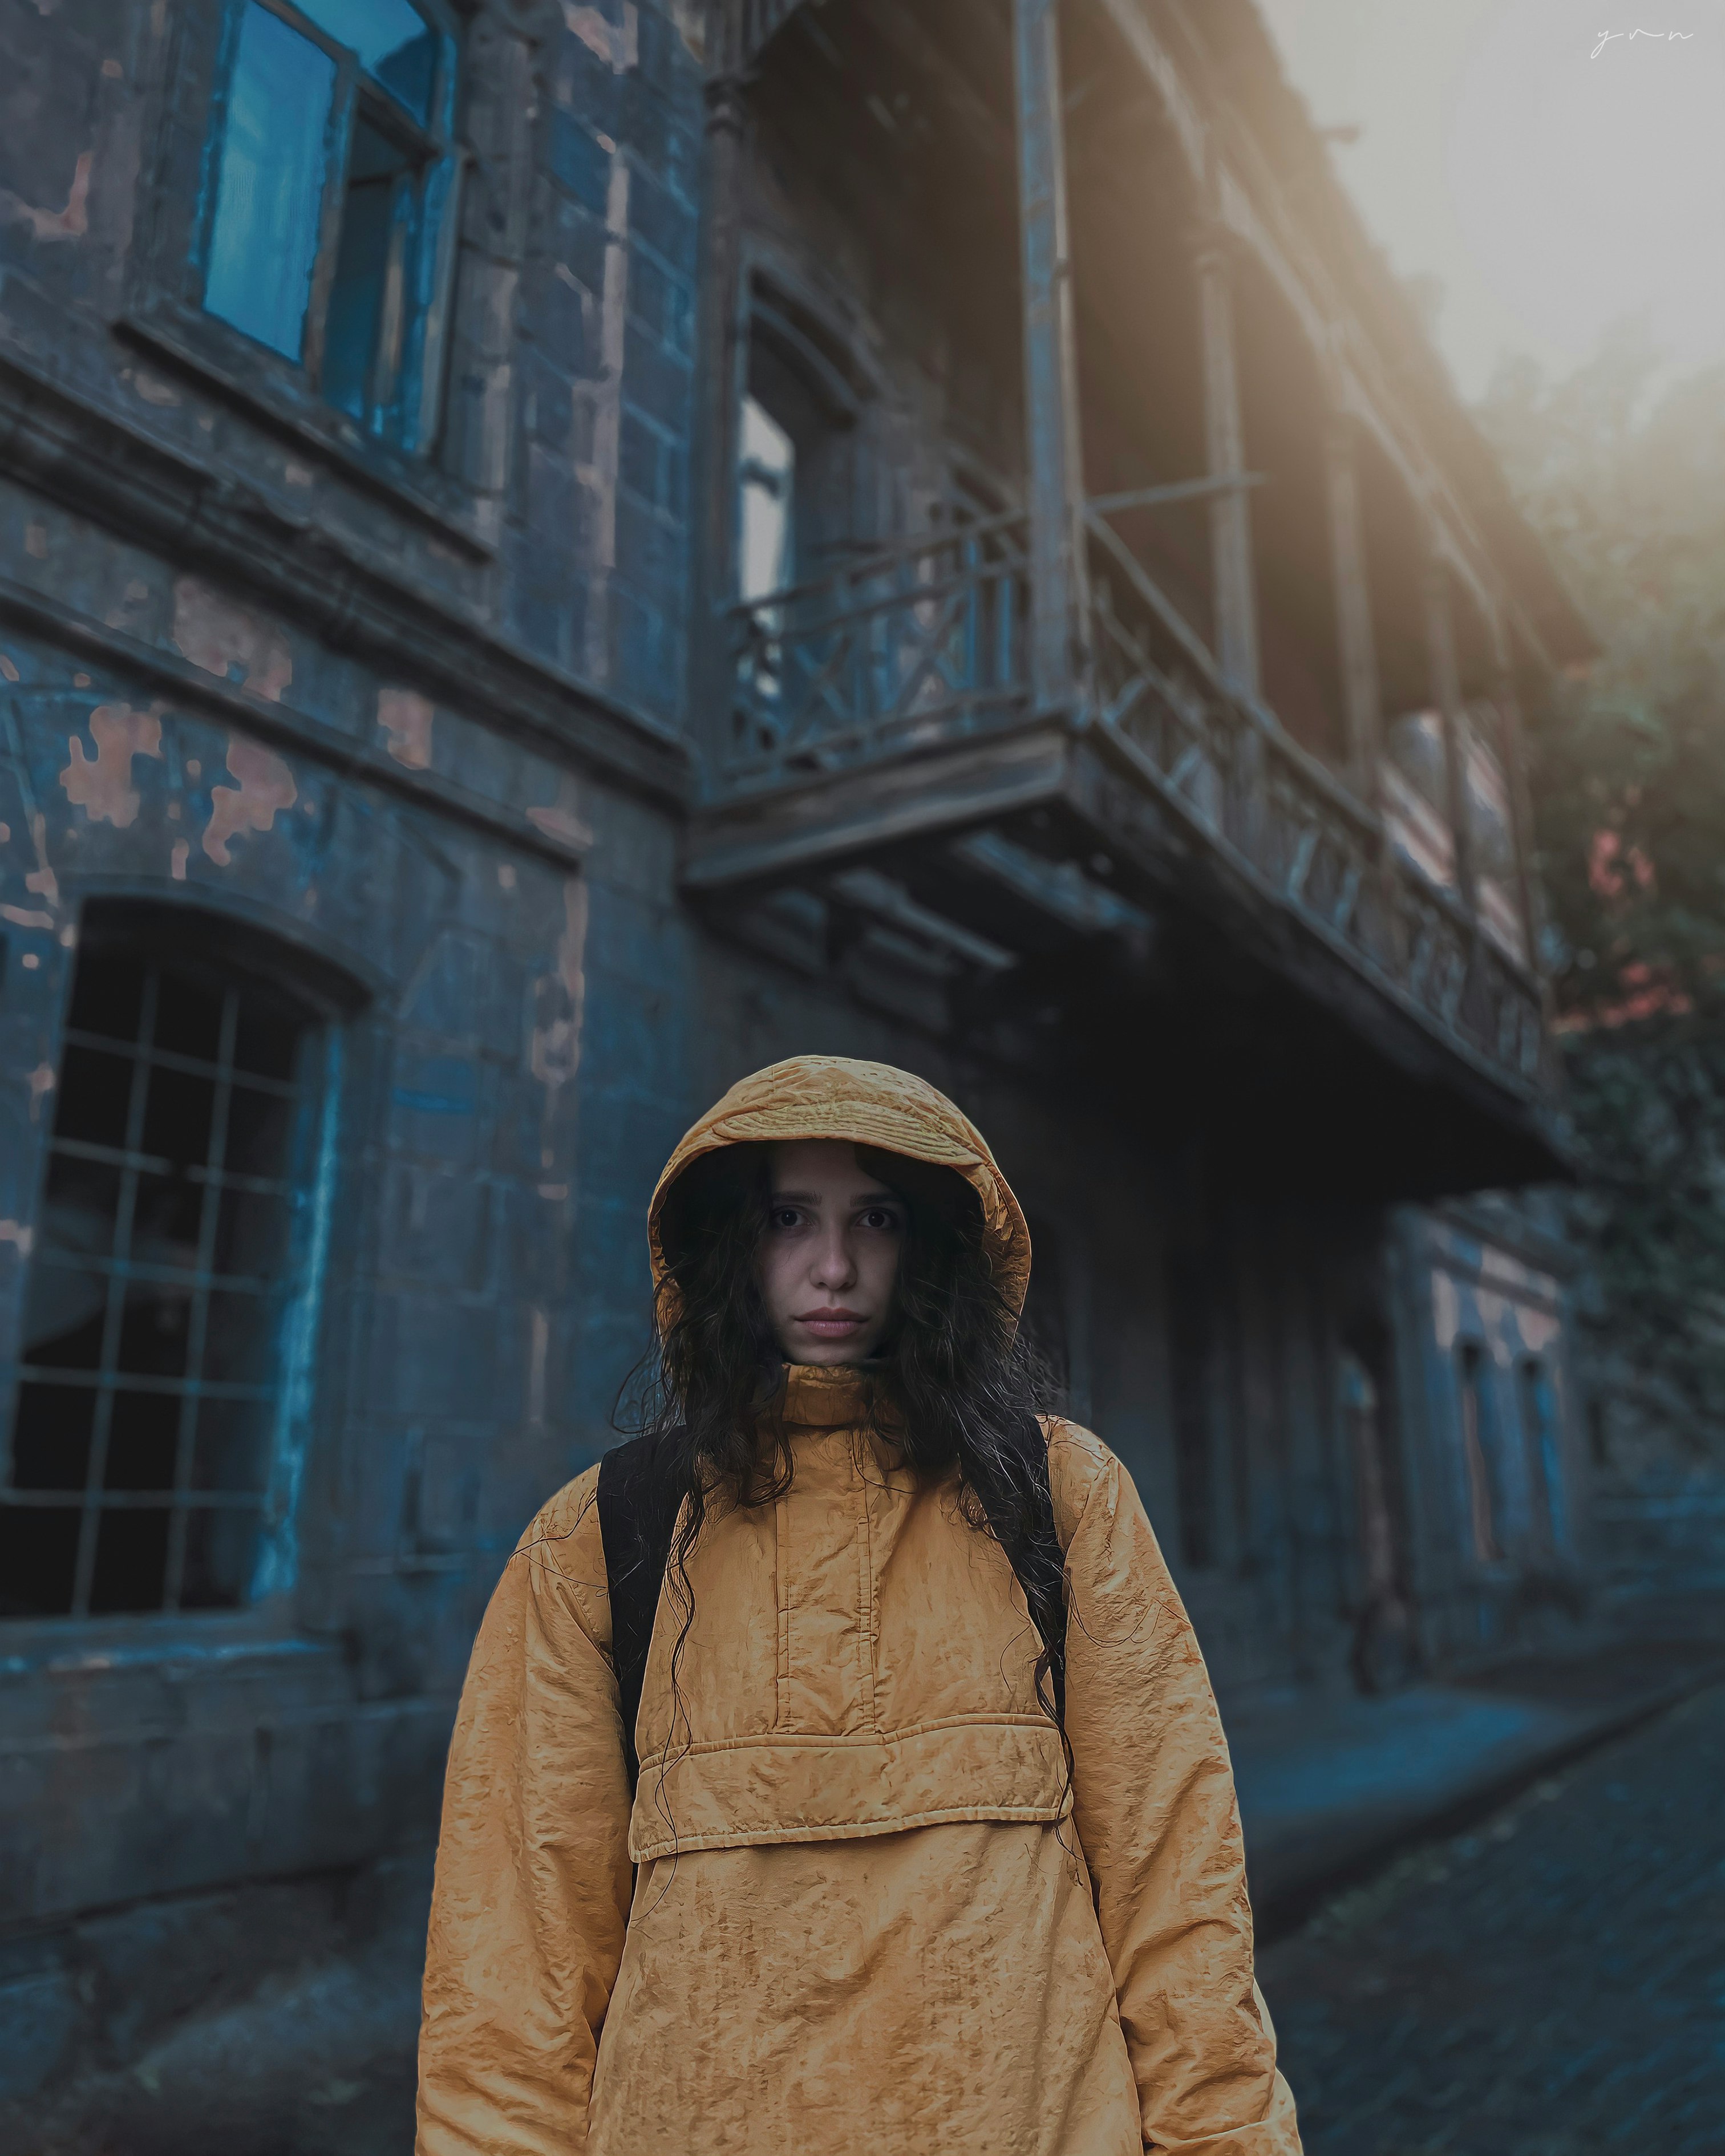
879, 1216
784, 1216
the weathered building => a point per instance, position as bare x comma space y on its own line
555, 554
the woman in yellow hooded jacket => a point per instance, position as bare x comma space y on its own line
933, 1845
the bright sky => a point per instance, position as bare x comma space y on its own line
1552, 192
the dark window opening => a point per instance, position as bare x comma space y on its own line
1190, 1327
1283, 407
1396, 573
1598, 1435
1044, 1314
1479, 1450
362, 328
1539, 1438
166, 1262
1384, 1653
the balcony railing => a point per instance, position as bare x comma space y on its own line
1273, 809
921, 641
925, 644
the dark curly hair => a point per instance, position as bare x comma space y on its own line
951, 1384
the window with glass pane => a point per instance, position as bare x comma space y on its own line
334, 179
166, 1262
768, 476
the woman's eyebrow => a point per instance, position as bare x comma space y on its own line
878, 1198
796, 1197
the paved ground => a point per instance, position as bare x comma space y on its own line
1551, 1983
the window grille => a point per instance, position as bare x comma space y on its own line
331, 236
170, 1255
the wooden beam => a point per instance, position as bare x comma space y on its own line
1179, 490
1234, 594
1521, 811
1054, 458
886, 900
1355, 643
723, 307
830, 822
1059, 889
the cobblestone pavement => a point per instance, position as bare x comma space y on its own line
1551, 1983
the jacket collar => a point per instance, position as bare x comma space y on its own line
823, 1396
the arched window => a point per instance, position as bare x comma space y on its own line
332, 229
175, 1260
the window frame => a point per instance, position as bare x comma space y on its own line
823, 361
418, 385
1481, 1453
233, 953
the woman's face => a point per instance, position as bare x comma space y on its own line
829, 1257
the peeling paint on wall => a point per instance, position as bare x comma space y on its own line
265, 785
21, 1238
41, 1082
406, 717
227, 639
618, 44
103, 788
71, 223
562, 819
556, 1040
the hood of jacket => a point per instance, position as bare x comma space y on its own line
867, 1104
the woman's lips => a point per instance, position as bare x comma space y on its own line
831, 1324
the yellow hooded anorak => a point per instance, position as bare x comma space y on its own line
852, 1907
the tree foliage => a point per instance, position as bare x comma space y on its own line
1626, 484
1629, 492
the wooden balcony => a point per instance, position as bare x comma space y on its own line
913, 644
886, 763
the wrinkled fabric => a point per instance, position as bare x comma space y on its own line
855, 1904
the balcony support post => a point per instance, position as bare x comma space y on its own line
1231, 574
1446, 695
1521, 800
722, 302
1354, 641
1060, 610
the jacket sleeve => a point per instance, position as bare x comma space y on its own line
533, 1875
1155, 1809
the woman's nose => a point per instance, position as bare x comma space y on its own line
833, 1267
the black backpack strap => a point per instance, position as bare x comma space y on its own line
1041, 1569
640, 1494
